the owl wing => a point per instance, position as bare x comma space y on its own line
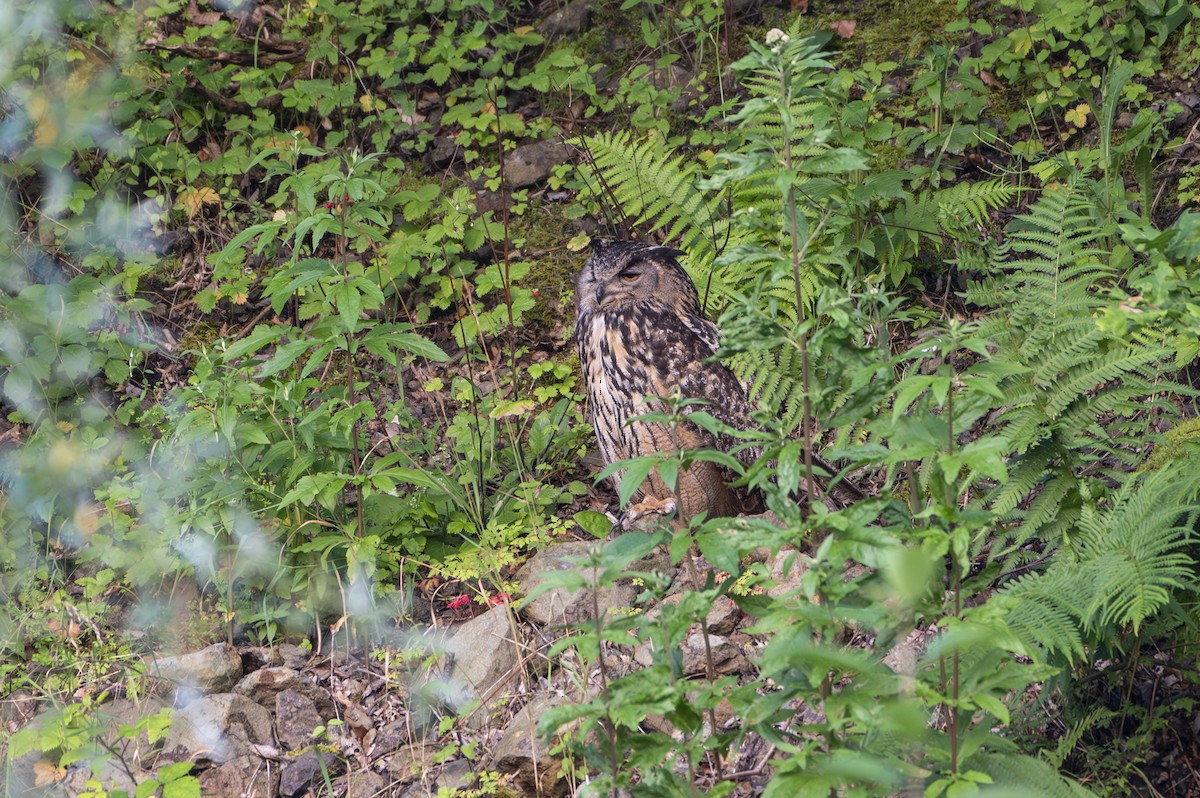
685, 364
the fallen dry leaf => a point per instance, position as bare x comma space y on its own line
45, 773
194, 199
844, 28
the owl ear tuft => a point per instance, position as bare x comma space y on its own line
596, 245
669, 252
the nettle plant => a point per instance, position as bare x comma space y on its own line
297, 463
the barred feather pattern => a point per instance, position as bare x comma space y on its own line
641, 338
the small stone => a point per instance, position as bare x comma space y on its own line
727, 657
524, 755
560, 606
293, 656
569, 20
211, 670
484, 656
444, 152
364, 784
456, 775
265, 684
531, 164
787, 571
244, 776
295, 718
488, 201
674, 76
722, 619
297, 775
411, 760
218, 728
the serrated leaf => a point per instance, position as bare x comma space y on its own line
595, 524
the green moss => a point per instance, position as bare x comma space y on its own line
198, 336
545, 231
888, 155
894, 30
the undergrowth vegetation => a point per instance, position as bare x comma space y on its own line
276, 321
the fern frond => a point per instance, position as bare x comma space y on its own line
1133, 555
1071, 385
1018, 772
1042, 615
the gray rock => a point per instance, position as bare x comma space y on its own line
409, 761
112, 775
485, 657
297, 775
364, 784
787, 571
531, 164
486, 201
524, 755
724, 616
391, 738
559, 606
456, 775
569, 20
727, 656
293, 656
444, 152
20, 775
295, 718
211, 670
218, 728
674, 76
244, 776
265, 684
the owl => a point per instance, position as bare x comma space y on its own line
642, 336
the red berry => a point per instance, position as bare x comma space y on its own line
329, 204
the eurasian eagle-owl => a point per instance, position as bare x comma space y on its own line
642, 336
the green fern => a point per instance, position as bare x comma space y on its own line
1025, 775
1074, 392
934, 218
1119, 567
732, 221
660, 192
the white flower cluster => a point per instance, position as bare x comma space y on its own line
776, 38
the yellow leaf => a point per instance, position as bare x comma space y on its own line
194, 200
1078, 115
579, 242
515, 408
45, 773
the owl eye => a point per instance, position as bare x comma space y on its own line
629, 275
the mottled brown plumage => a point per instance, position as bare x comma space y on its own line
642, 336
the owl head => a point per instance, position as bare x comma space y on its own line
621, 274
